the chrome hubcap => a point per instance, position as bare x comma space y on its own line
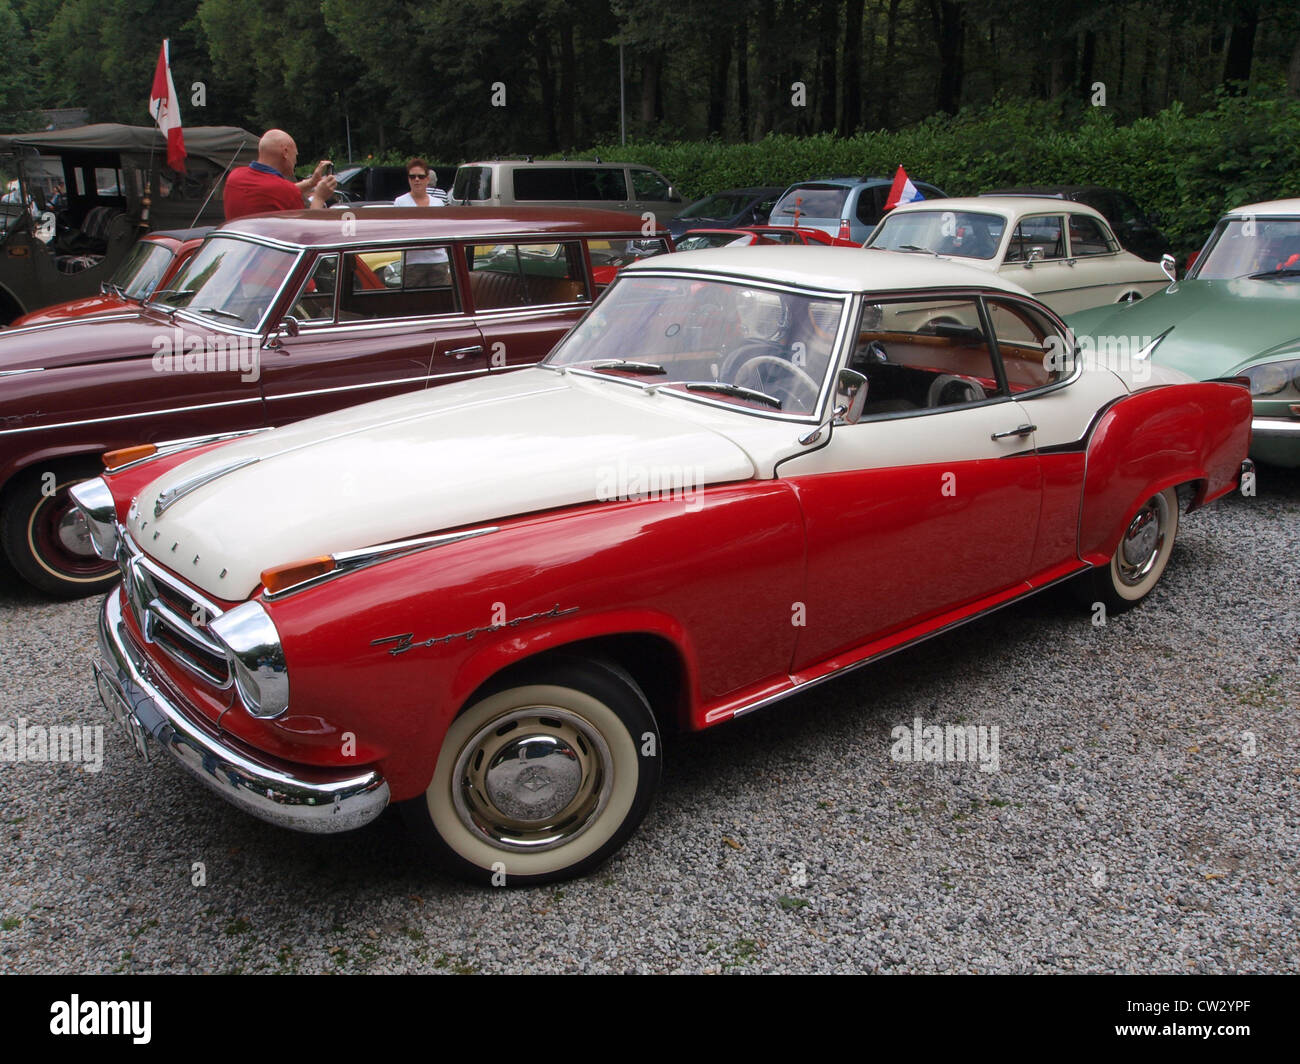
1143, 542
533, 779
74, 534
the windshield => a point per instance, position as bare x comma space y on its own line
719, 206
142, 269
757, 348
230, 281
962, 234
1248, 247
811, 201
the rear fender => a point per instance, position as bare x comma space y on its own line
1156, 439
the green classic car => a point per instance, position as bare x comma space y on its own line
1236, 314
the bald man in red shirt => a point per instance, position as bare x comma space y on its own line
268, 185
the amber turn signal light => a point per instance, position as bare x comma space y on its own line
126, 455
286, 576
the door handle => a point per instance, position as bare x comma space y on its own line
461, 352
1023, 430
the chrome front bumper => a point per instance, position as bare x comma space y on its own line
1280, 428
329, 801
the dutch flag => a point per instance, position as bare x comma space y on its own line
902, 191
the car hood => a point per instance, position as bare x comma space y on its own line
1213, 327
76, 342
77, 309
457, 455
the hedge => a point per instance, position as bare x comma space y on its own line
1186, 168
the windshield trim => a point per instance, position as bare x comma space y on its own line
1216, 234
654, 386
259, 329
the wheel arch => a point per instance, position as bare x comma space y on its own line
1192, 437
654, 660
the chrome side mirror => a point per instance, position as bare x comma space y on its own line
850, 396
850, 399
1169, 265
288, 327
1035, 255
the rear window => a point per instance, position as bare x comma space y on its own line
570, 183
811, 201
472, 183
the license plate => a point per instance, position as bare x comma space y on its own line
117, 706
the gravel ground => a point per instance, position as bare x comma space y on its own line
1142, 818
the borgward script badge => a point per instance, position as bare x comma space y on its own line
406, 641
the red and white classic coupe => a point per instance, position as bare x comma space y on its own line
744, 472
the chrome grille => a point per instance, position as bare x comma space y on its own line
171, 615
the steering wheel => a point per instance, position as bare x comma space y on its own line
797, 380
752, 348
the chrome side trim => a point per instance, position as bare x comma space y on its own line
172, 446
379, 384
872, 659
20, 372
129, 417
327, 801
349, 561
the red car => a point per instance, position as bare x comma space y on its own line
745, 472
149, 265
274, 319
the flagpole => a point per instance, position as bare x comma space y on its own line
218, 181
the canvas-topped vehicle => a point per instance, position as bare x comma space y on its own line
116, 187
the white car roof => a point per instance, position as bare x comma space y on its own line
1283, 207
831, 269
1009, 207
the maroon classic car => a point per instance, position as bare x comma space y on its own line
277, 318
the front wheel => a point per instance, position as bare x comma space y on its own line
46, 539
1140, 559
542, 780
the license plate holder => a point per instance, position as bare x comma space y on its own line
117, 705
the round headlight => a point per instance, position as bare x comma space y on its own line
1268, 379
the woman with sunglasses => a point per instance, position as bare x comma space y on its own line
423, 192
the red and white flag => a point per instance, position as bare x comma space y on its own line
166, 109
902, 191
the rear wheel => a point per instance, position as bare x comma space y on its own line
1140, 559
543, 779
45, 539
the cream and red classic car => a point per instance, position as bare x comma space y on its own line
1062, 252
745, 472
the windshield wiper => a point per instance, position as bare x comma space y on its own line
913, 247
630, 366
723, 388
216, 311
1285, 271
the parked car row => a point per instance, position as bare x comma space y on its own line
593, 492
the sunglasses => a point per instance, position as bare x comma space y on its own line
417, 177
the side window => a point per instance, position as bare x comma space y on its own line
868, 208
1037, 238
1034, 353
504, 276
1088, 237
922, 355
647, 185
394, 284
315, 302
570, 183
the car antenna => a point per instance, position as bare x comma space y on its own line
218, 181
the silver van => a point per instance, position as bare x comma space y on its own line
626, 187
